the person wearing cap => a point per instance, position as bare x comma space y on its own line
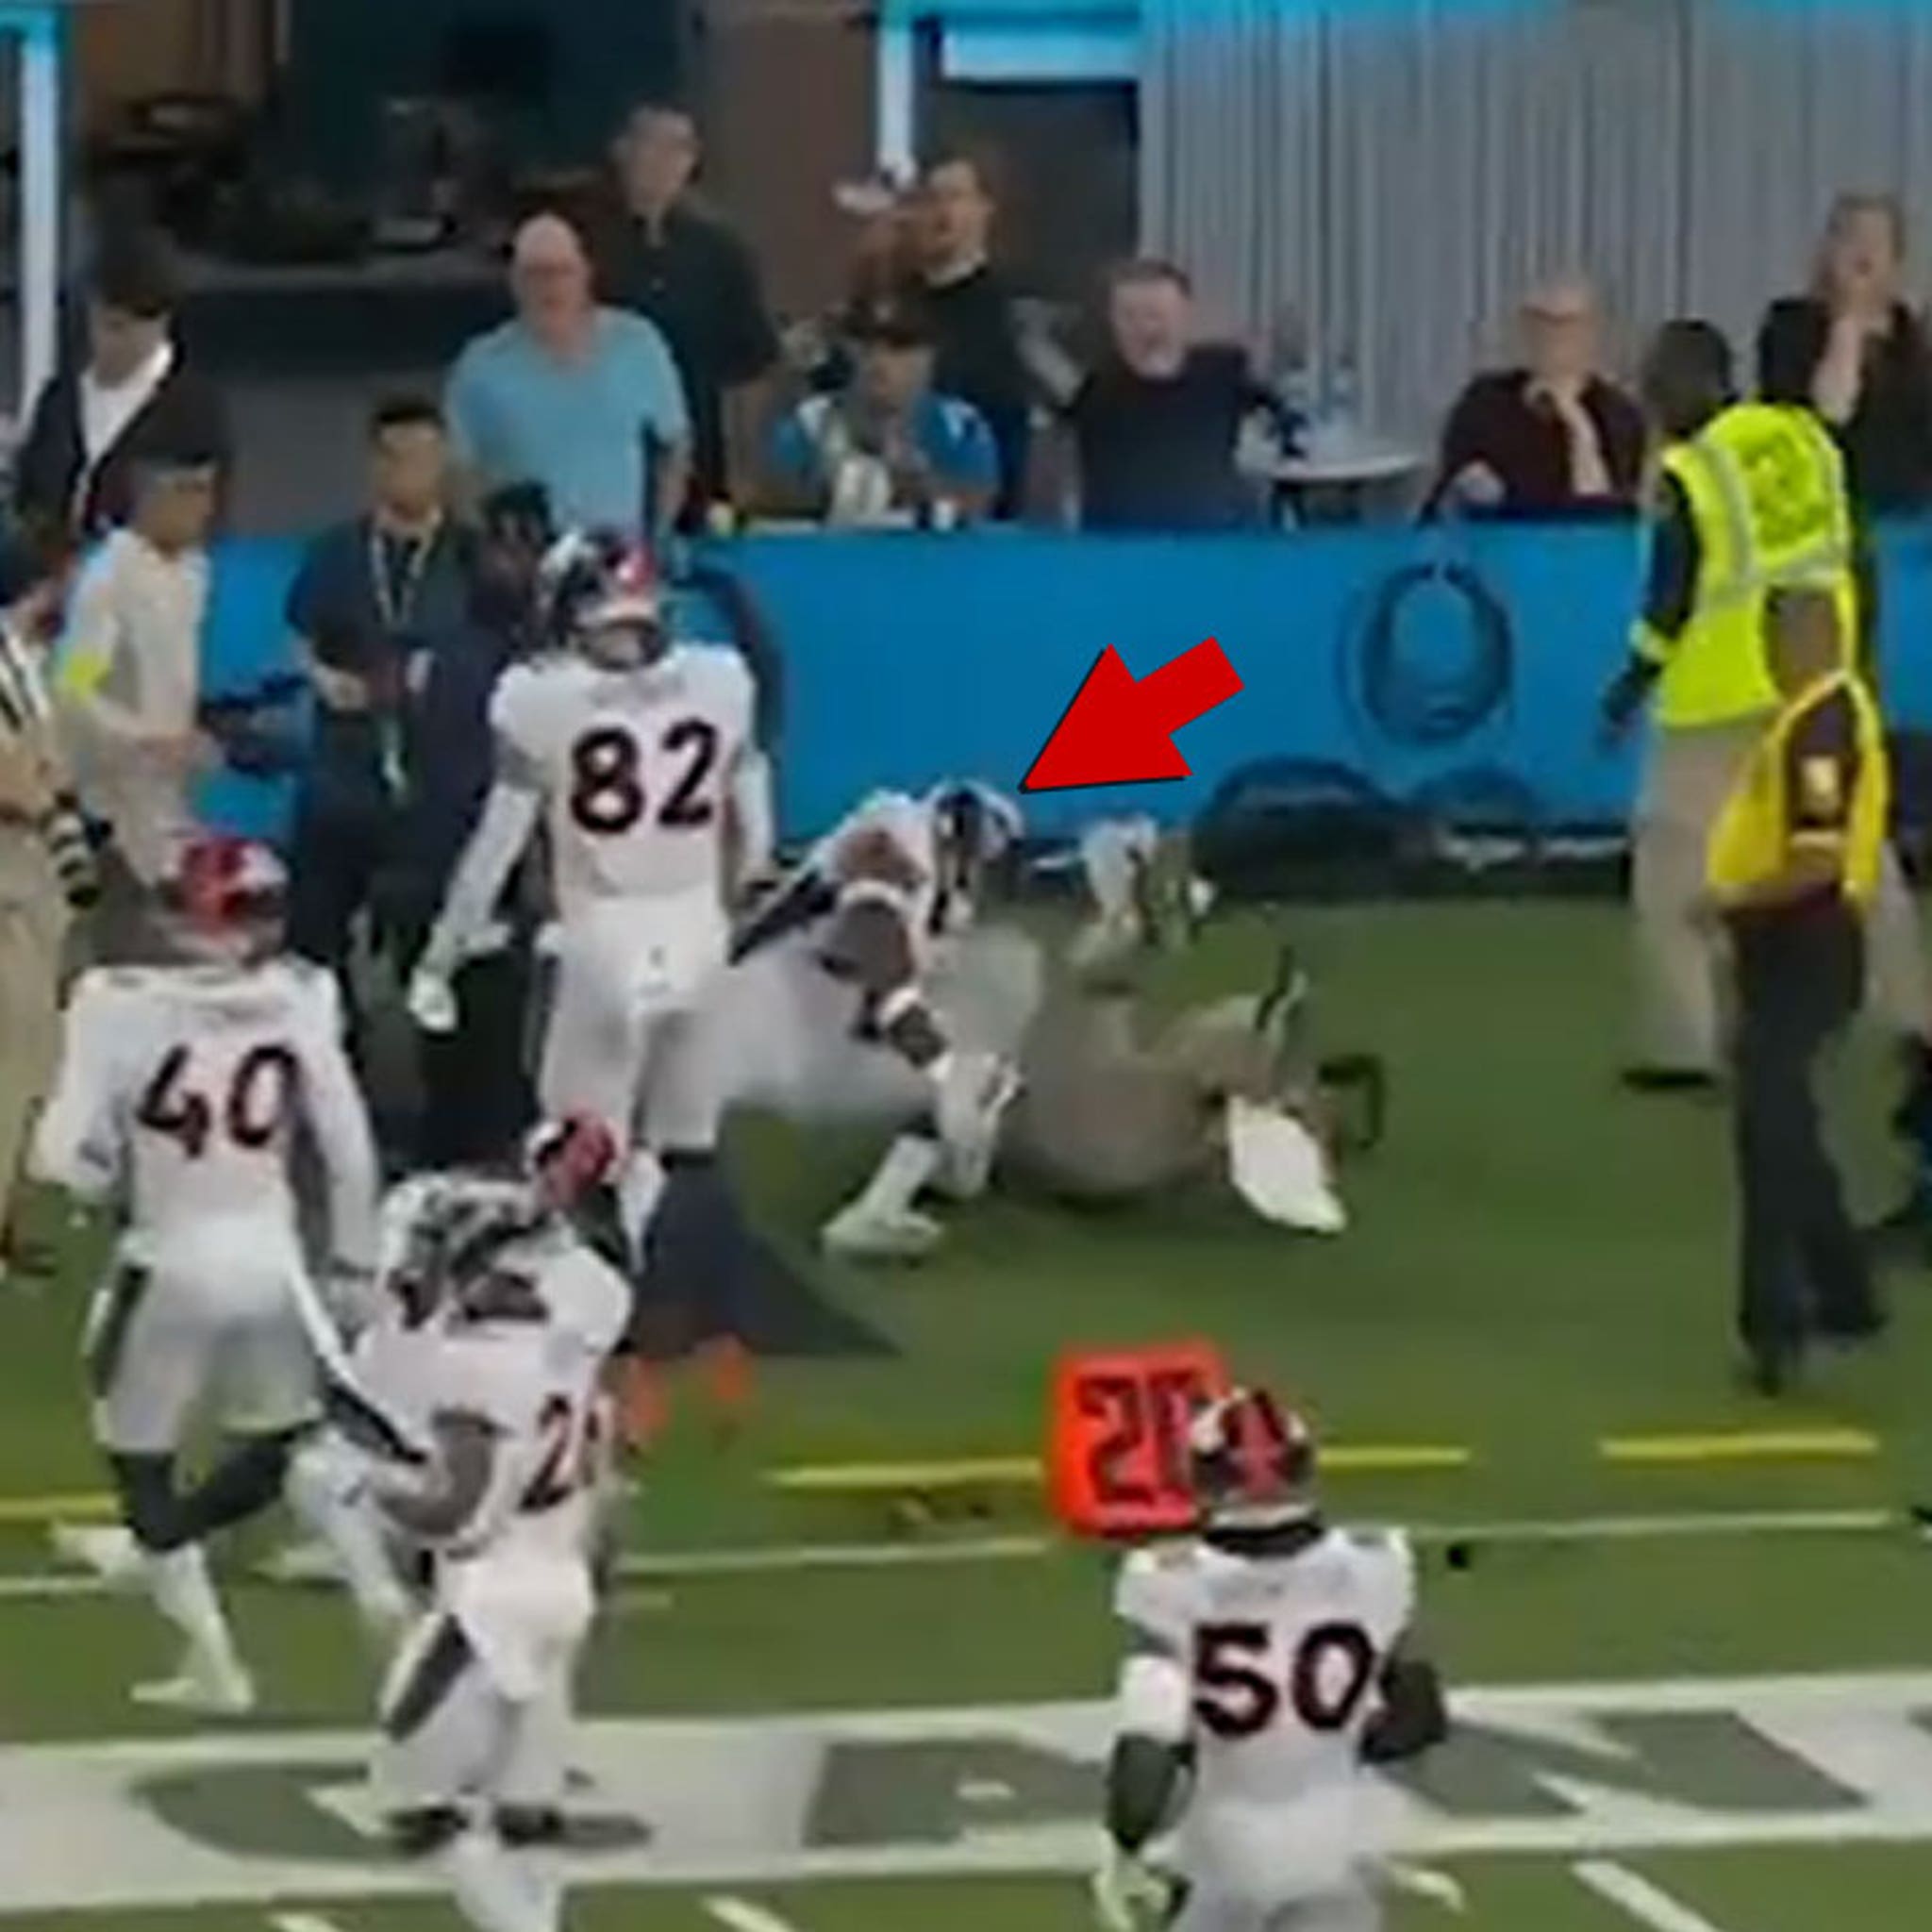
1750, 500
885, 448
127, 680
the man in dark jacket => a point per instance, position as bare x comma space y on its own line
476, 1092
131, 391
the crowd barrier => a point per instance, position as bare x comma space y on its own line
1462, 662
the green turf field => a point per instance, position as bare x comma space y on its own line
1727, 1729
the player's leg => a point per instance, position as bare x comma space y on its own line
531, 1790
328, 1489
445, 1734
150, 1350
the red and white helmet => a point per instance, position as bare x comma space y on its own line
1252, 1460
568, 1157
223, 898
599, 593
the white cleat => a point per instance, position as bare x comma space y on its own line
206, 1689
107, 1549
856, 1234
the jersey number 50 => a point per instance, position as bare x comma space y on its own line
1234, 1696
251, 1113
607, 779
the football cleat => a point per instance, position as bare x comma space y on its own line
205, 1686
858, 1233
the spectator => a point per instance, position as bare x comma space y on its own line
583, 400
43, 866
1553, 438
970, 308
1873, 382
683, 268
1155, 424
887, 447
372, 602
477, 1095
127, 686
91, 422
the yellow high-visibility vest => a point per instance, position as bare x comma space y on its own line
1763, 814
1766, 487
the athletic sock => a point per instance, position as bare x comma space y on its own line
184, 1594
897, 1183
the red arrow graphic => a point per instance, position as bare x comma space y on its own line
1117, 732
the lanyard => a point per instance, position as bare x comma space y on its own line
395, 604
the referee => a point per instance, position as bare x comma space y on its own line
1792, 863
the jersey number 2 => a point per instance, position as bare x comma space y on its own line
251, 1113
607, 788
573, 1445
1236, 1696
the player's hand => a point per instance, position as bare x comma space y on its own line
432, 1001
1131, 1894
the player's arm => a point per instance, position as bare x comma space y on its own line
1412, 1713
871, 943
1413, 1716
510, 816
752, 815
1154, 1704
78, 1144
455, 1502
338, 1122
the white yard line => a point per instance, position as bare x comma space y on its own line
670, 1566
1644, 1902
740, 1915
302, 1922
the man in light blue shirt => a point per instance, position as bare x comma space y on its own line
582, 399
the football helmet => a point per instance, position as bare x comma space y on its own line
568, 1158
223, 899
1252, 1461
974, 828
598, 593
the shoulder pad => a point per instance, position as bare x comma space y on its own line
1157, 1587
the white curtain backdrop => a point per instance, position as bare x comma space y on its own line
1398, 171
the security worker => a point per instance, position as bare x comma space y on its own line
1793, 862
1751, 499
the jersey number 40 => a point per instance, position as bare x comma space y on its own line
607, 793
1237, 1695
250, 1112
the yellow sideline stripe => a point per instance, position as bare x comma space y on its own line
1742, 1445
1020, 1472
33, 1509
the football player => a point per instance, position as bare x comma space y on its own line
637, 753
863, 988
1270, 1660
181, 1089
469, 1764
392, 1357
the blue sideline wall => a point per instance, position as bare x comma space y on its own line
910, 658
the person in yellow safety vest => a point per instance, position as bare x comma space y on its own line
1750, 500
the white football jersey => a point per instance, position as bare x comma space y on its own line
1282, 1658
635, 767
181, 1092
